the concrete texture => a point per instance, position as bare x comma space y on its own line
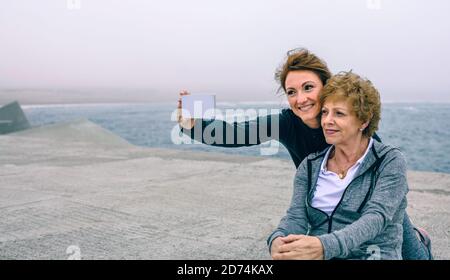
78, 191
12, 118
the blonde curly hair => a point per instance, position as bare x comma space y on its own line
362, 95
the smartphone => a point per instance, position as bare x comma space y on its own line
198, 106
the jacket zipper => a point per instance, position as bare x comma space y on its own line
330, 218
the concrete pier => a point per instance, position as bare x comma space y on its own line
78, 191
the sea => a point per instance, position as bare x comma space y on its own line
421, 131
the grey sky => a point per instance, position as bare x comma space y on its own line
230, 48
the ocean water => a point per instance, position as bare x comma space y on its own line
421, 131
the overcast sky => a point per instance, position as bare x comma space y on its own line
227, 47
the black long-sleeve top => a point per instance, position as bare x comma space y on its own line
299, 139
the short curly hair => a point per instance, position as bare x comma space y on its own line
302, 59
362, 95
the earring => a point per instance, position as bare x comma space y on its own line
361, 129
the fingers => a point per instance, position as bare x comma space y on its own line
185, 123
179, 105
277, 256
276, 245
284, 256
297, 247
183, 92
291, 238
290, 243
292, 246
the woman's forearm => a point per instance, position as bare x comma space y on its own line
232, 135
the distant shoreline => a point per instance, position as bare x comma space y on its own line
140, 96
223, 103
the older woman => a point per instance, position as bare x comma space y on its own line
349, 200
302, 77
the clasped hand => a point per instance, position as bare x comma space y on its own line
297, 247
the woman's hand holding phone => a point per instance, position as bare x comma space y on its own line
183, 122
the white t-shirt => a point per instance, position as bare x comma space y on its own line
330, 187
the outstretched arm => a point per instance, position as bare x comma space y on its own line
231, 135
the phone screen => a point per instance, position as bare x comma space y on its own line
198, 106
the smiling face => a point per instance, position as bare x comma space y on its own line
302, 90
339, 123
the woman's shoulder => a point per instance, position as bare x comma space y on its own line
288, 117
384, 150
318, 154
287, 113
389, 154
286, 120
314, 158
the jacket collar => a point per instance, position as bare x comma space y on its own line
377, 151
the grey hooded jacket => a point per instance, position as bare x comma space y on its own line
367, 222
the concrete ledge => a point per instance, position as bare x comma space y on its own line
78, 184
